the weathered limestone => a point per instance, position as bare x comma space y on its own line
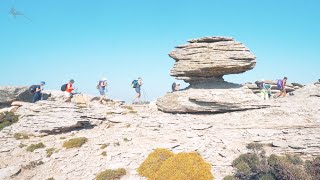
8, 94
211, 57
203, 63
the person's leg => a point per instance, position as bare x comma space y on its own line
284, 92
34, 97
68, 97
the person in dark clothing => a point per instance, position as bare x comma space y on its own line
37, 95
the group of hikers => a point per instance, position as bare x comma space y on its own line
266, 88
69, 90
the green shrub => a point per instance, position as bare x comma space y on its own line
268, 176
33, 147
313, 168
7, 119
282, 168
255, 165
75, 142
111, 174
230, 177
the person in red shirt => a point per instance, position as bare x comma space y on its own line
69, 90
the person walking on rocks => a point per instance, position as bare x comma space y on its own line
68, 90
281, 84
36, 91
265, 90
175, 87
136, 84
102, 87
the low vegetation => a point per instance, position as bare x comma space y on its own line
256, 165
19, 136
104, 153
33, 164
163, 164
50, 151
75, 142
7, 119
33, 147
103, 146
111, 174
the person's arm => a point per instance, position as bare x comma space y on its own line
283, 85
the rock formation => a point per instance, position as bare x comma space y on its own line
8, 94
203, 63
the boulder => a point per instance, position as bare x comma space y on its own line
209, 57
202, 63
8, 94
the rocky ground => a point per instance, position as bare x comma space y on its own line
289, 125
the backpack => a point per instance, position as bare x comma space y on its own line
64, 87
173, 87
259, 84
32, 89
98, 85
279, 84
135, 84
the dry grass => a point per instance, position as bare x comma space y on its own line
33, 147
111, 174
75, 142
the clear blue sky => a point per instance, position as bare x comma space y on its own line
122, 40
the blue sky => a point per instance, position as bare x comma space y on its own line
122, 40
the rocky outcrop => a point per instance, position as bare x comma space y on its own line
202, 63
8, 94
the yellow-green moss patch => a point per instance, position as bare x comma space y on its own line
185, 166
153, 163
75, 142
104, 153
7, 118
19, 136
33, 147
50, 151
111, 174
103, 146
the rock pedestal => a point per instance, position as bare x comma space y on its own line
203, 63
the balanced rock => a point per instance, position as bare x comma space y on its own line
202, 63
209, 57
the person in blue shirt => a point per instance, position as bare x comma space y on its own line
37, 95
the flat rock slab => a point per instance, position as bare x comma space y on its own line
10, 171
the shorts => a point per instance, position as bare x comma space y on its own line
138, 90
102, 92
67, 94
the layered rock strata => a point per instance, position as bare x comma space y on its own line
203, 63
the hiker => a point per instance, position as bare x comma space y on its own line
35, 90
265, 89
102, 87
175, 87
281, 84
68, 90
136, 84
